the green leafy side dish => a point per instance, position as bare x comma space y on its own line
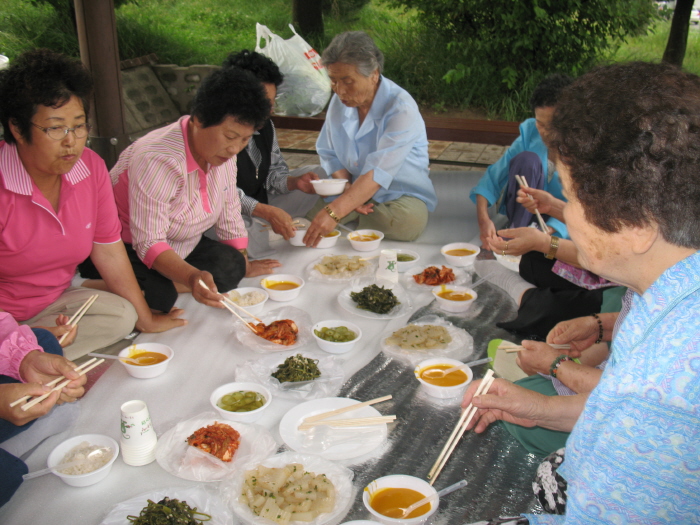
169, 512
375, 299
297, 368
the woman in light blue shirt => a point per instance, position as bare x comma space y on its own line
373, 136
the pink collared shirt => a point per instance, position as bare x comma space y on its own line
16, 341
166, 202
40, 248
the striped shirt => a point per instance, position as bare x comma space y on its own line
276, 183
166, 202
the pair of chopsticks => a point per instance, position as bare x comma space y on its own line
322, 419
460, 429
229, 305
82, 370
295, 223
77, 316
512, 347
523, 184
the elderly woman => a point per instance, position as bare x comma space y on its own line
375, 138
629, 143
57, 207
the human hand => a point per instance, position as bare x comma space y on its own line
487, 233
581, 333
322, 224
10, 392
280, 221
261, 267
536, 357
520, 241
62, 327
161, 322
303, 182
505, 401
365, 209
541, 200
42, 368
208, 294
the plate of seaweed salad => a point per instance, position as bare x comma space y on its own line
375, 299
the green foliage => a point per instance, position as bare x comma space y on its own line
343, 8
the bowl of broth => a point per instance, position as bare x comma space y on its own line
405, 259
365, 240
451, 385
460, 253
282, 287
454, 298
383, 496
153, 359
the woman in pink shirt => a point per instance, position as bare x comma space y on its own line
57, 208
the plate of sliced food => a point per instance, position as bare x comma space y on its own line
375, 299
340, 268
424, 278
282, 329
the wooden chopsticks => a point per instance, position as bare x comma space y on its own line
77, 316
322, 419
459, 429
225, 301
353, 422
523, 183
512, 347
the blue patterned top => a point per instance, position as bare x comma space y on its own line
634, 454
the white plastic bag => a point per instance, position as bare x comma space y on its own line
306, 88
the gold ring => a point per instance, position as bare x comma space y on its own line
503, 253
506, 246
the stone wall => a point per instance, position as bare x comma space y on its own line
181, 83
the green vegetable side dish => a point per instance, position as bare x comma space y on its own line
297, 368
169, 511
404, 257
337, 334
241, 401
375, 299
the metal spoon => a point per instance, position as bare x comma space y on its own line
405, 512
436, 373
61, 466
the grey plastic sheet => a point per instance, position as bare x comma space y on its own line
499, 470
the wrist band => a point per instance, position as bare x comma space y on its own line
556, 363
553, 247
332, 214
600, 329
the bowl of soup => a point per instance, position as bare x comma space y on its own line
282, 287
365, 240
460, 253
441, 386
329, 239
405, 259
383, 496
454, 298
153, 359
242, 402
328, 187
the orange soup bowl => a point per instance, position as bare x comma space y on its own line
282, 287
452, 385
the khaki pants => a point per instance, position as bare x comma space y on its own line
403, 219
109, 319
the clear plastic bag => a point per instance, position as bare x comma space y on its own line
306, 88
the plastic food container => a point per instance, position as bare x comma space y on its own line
365, 246
400, 481
460, 260
282, 295
450, 305
254, 308
402, 266
241, 417
332, 347
83, 480
328, 187
148, 371
443, 392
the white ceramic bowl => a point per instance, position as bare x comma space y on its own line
83, 480
460, 260
255, 308
401, 481
405, 265
365, 246
147, 372
330, 346
328, 187
443, 392
449, 305
241, 417
282, 295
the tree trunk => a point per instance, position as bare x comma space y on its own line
678, 37
308, 18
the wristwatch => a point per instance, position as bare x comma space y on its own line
553, 247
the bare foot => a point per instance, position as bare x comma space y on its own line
261, 267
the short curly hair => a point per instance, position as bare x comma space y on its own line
630, 137
356, 48
546, 94
262, 67
40, 78
231, 92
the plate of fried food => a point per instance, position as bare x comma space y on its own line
427, 337
282, 329
375, 299
290, 487
302, 375
207, 448
340, 268
424, 278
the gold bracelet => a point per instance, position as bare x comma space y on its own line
332, 214
553, 247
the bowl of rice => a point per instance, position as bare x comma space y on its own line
94, 469
251, 298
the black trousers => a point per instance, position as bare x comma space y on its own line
225, 263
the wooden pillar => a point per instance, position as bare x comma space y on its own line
99, 51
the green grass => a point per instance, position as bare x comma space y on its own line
187, 32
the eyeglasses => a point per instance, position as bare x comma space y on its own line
59, 132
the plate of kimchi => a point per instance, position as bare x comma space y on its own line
281, 329
424, 278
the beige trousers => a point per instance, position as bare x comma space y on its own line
109, 319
